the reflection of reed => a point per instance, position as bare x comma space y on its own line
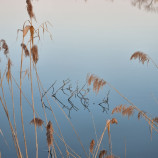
74, 93
148, 5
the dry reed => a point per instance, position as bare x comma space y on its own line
4, 138
8, 74
25, 49
34, 52
37, 121
102, 153
155, 119
108, 123
3, 45
126, 111
97, 82
21, 111
114, 121
140, 114
49, 134
30, 9
92, 146
15, 139
142, 57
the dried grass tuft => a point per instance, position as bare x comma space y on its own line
126, 111
92, 145
4, 46
8, 74
114, 121
37, 121
32, 33
102, 153
49, 134
142, 57
34, 52
30, 9
117, 109
155, 119
25, 49
97, 82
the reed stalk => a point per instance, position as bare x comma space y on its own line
15, 139
33, 102
22, 56
99, 142
13, 105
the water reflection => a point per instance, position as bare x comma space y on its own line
70, 98
148, 5
71, 94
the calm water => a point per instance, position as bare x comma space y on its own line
95, 37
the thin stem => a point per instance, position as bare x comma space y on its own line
21, 101
33, 104
58, 149
19, 155
51, 109
100, 140
23, 94
134, 106
13, 105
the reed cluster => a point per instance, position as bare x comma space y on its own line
95, 81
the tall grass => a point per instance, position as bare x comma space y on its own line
52, 141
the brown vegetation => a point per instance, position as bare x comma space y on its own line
37, 121
126, 111
92, 146
25, 49
34, 53
102, 153
142, 57
49, 134
4, 46
97, 82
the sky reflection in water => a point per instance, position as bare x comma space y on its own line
95, 37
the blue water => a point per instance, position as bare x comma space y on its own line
96, 37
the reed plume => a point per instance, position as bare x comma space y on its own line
92, 146
114, 121
37, 121
109, 122
3, 45
142, 57
126, 111
102, 153
34, 52
90, 79
8, 74
155, 119
25, 49
49, 134
97, 82
117, 109
30, 9
32, 33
